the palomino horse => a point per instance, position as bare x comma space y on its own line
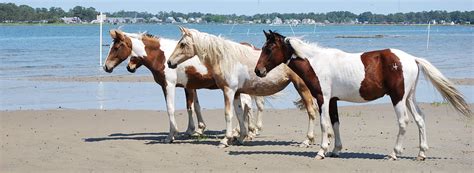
333, 75
152, 52
231, 65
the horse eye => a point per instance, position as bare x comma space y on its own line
182, 45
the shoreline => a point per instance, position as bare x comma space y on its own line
149, 78
124, 140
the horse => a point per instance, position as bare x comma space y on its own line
333, 75
148, 50
231, 63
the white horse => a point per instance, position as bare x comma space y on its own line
231, 65
152, 52
333, 75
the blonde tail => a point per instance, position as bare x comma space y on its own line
445, 87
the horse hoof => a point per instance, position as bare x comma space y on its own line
304, 144
391, 157
196, 134
421, 158
319, 157
221, 145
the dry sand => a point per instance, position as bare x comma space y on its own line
130, 141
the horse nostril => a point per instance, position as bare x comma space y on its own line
171, 65
257, 72
130, 69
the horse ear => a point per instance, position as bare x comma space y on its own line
266, 34
112, 33
119, 35
186, 31
181, 29
271, 32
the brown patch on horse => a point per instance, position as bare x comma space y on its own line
383, 75
303, 68
155, 59
196, 80
250, 45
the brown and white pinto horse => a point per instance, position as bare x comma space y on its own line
334, 75
144, 49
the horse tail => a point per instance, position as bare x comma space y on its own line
300, 104
445, 87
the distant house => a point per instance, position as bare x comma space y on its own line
116, 20
138, 20
69, 20
170, 20
277, 21
181, 20
99, 17
154, 20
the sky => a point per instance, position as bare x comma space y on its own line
250, 7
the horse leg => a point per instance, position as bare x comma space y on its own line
241, 118
169, 96
260, 102
197, 109
190, 108
307, 99
228, 103
325, 125
402, 116
420, 121
246, 101
334, 115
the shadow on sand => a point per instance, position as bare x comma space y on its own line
343, 155
209, 137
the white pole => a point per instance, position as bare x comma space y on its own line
428, 37
292, 30
100, 39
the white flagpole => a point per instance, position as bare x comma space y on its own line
100, 40
428, 37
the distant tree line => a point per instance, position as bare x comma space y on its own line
10, 12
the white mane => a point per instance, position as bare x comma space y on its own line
219, 50
309, 50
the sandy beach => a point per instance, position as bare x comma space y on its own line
130, 141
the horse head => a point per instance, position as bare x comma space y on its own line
120, 49
184, 49
275, 51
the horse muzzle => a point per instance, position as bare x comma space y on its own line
261, 72
171, 65
131, 70
107, 69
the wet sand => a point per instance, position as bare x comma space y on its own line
130, 141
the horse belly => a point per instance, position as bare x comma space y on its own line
193, 77
347, 80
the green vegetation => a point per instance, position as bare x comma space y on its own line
437, 104
11, 13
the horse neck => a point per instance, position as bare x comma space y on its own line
155, 59
210, 52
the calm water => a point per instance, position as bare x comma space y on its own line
42, 51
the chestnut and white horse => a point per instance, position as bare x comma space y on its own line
333, 75
145, 49
231, 65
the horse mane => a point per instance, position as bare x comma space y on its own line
220, 50
308, 50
